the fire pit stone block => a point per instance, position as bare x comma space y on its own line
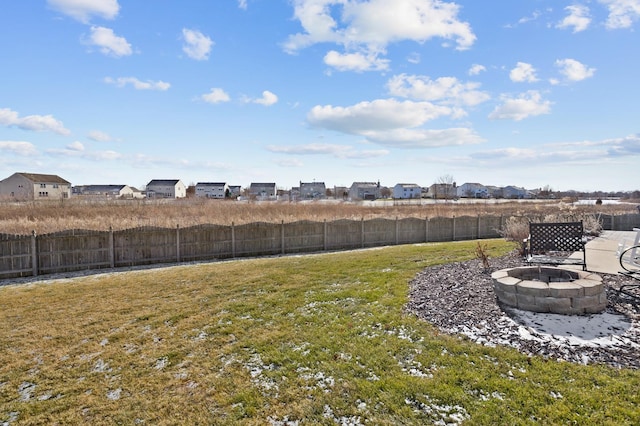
550, 289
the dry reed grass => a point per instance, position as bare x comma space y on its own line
47, 217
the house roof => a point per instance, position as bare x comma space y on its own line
258, 184
105, 188
37, 177
164, 182
211, 183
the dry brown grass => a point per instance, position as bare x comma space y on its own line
46, 217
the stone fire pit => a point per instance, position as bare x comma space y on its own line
550, 289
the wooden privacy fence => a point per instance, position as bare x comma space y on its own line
74, 250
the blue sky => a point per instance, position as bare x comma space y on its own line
530, 93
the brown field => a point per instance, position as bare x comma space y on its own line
54, 216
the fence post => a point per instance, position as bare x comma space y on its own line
478, 228
362, 232
34, 253
397, 225
282, 236
233, 240
426, 229
324, 236
112, 254
178, 243
453, 229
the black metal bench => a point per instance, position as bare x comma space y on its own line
554, 243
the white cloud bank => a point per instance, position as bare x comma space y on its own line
37, 123
21, 148
215, 96
577, 19
526, 105
109, 43
196, 45
523, 73
366, 28
622, 13
138, 84
573, 70
83, 10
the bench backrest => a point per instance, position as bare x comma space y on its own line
562, 236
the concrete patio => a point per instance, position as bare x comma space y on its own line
602, 251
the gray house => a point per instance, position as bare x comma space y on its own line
166, 188
34, 186
263, 191
407, 191
515, 192
365, 191
218, 190
472, 190
312, 190
105, 191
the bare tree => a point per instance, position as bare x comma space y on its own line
446, 187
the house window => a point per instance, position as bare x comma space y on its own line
43, 185
55, 185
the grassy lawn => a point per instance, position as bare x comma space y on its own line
318, 339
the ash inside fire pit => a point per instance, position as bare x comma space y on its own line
550, 289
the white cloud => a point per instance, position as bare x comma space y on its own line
267, 99
76, 146
622, 13
523, 72
242, 4
138, 84
392, 123
378, 115
573, 70
448, 90
355, 61
629, 145
109, 43
337, 151
578, 18
38, 123
196, 45
215, 96
526, 105
476, 69
83, 10
24, 149
425, 138
370, 26
98, 136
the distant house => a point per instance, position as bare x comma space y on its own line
235, 191
166, 188
34, 186
494, 191
407, 191
515, 192
219, 190
443, 191
472, 190
263, 191
365, 191
312, 190
340, 192
105, 191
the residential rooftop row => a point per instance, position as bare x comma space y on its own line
34, 186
